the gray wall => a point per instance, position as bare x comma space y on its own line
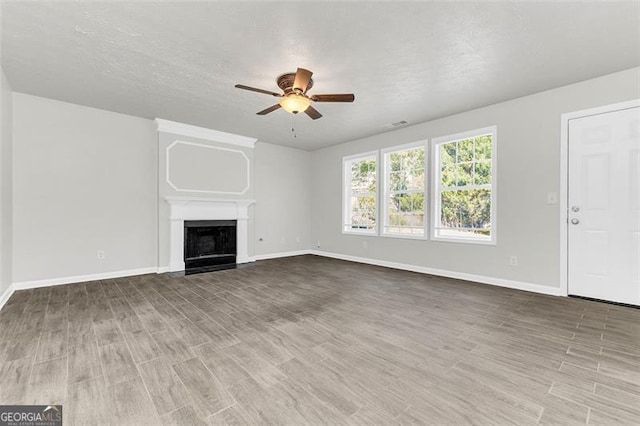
6, 186
84, 180
528, 168
283, 200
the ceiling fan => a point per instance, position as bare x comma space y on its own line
295, 98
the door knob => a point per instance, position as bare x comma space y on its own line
575, 221
575, 209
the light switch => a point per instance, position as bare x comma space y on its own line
552, 198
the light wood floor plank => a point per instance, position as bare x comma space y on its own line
117, 363
166, 390
143, 347
206, 391
84, 362
47, 383
131, 403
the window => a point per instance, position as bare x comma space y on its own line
360, 194
404, 191
464, 202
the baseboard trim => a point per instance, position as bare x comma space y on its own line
500, 282
517, 285
24, 285
4, 297
280, 254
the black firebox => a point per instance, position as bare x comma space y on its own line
209, 243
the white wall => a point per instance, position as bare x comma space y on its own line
6, 196
283, 200
528, 168
83, 180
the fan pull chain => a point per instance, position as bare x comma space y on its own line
293, 130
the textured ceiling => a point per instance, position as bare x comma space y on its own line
404, 61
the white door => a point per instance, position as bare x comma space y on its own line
604, 206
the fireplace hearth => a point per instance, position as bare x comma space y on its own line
209, 244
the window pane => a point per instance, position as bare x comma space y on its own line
483, 173
449, 177
395, 181
465, 174
363, 211
405, 203
363, 176
416, 179
393, 206
466, 209
483, 148
395, 161
465, 150
406, 210
448, 153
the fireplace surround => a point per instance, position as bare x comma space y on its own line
206, 209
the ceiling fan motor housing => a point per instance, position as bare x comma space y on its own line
285, 82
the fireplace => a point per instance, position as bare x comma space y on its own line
186, 210
209, 243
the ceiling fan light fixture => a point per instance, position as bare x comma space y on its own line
295, 103
294, 98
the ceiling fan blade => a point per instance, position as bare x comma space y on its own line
312, 112
302, 79
253, 89
344, 97
268, 110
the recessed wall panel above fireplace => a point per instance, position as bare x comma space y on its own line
196, 167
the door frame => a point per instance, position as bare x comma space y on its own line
564, 180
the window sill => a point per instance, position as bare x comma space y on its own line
374, 233
464, 241
405, 237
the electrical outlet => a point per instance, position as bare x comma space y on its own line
365, 245
283, 240
100, 255
513, 261
318, 244
297, 239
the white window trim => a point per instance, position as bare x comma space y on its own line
346, 193
436, 185
384, 207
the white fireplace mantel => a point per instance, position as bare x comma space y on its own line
192, 208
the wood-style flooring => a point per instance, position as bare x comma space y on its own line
312, 340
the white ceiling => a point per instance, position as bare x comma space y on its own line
403, 61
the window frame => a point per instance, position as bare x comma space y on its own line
346, 193
436, 179
385, 193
